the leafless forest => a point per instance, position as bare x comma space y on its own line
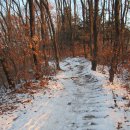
35, 32
64, 64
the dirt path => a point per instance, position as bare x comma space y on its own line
78, 102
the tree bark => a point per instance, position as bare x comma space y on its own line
6, 71
32, 28
116, 47
43, 33
95, 32
45, 4
90, 3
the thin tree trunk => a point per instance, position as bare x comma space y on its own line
90, 3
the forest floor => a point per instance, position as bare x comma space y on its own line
75, 99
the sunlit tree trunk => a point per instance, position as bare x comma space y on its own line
32, 28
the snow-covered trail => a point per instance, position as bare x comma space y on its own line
77, 100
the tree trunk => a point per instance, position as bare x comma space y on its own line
90, 3
95, 32
43, 33
32, 27
54, 34
116, 47
9, 79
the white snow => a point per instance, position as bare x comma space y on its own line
76, 99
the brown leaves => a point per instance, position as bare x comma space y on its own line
43, 83
7, 107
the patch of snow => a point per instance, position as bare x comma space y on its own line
76, 99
